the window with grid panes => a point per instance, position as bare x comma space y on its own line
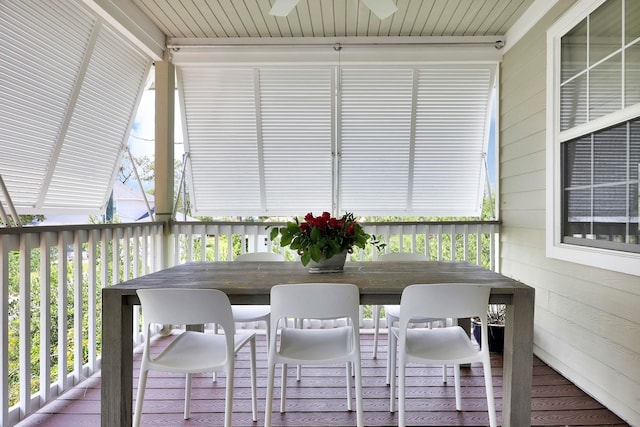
599, 128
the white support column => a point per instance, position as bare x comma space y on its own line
164, 149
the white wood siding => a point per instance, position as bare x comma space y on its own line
587, 321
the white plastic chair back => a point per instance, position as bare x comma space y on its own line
260, 256
186, 307
444, 300
402, 256
314, 301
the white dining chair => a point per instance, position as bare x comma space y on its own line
322, 301
390, 257
255, 313
191, 351
448, 345
392, 313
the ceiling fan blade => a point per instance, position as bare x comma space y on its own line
381, 8
283, 7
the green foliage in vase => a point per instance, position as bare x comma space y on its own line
323, 236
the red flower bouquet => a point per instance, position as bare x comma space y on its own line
323, 236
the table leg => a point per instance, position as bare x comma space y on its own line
117, 361
518, 359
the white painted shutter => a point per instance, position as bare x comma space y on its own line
259, 140
412, 140
375, 140
296, 111
68, 93
221, 139
452, 121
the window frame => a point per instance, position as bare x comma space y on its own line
610, 259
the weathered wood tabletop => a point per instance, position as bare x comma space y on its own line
379, 283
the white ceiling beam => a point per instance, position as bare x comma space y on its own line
316, 55
132, 23
495, 41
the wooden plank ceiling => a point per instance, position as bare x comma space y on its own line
332, 18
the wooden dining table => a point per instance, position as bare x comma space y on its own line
379, 283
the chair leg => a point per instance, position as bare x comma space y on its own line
214, 376
376, 329
391, 367
357, 367
444, 374
488, 383
283, 389
269, 396
456, 381
349, 394
228, 404
391, 348
142, 384
254, 395
401, 393
299, 325
187, 396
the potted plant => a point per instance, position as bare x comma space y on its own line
323, 237
496, 314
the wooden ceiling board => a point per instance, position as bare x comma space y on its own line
332, 18
161, 16
262, 28
483, 20
450, 10
464, 24
221, 18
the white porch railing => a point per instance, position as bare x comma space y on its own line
50, 322
51, 304
473, 241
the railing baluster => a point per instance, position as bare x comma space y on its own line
77, 309
62, 313
203, 244
92, 301
115, 255
45, 319
466, 242
4, 328
24, 304
136, 252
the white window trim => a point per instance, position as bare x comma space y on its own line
623, 262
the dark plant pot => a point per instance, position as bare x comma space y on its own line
496, 337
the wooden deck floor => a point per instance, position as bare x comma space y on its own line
319, 399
